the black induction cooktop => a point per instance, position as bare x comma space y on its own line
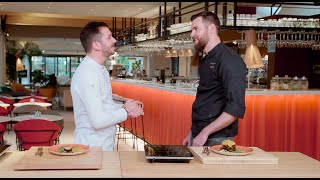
4, 148
168, 153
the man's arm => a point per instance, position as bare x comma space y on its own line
221, 122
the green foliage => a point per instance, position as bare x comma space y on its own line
39, 77
122, 60
52, 81
136, 65
30, 49
21, 49
44, 80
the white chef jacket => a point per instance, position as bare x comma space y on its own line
95, 112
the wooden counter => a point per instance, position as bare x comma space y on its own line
132, 164
110, 168
285, 121
291, 164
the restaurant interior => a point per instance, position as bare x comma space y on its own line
155, 63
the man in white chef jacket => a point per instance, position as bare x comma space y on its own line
95, 112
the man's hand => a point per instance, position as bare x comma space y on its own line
187, 140
133, 108
200, 139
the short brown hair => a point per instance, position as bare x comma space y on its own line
90, 33
208, 17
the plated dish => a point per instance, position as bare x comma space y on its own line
68, 149
240, 150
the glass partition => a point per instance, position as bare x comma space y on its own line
58, 65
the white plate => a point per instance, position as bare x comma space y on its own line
55, 149
246, 150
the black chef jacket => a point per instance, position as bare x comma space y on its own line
221, 89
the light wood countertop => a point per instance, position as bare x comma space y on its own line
291, 164
132, 164
110, 168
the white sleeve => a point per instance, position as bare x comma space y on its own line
101, 115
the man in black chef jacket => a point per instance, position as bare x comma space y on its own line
220, 98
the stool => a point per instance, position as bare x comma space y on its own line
135, 132
124, 133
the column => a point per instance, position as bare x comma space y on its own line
2, 59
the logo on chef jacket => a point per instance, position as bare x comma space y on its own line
212, 65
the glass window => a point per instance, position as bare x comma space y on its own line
50, 65
58, 65
75, 61
62, 66
38, 63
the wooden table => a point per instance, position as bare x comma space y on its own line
28, 117
291, 164
43, 104
40, 97
5, 118
110, 168
44, 117
131, 164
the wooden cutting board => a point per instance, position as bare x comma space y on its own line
258, 156
90, 160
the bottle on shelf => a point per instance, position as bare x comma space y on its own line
304, 83
275, 83
286, 83
295, 83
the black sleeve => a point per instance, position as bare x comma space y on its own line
233, 71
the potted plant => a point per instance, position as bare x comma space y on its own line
136, 67
19, 49
48, 84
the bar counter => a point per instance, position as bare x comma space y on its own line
131, 164
285, 121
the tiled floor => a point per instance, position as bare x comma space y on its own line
67, 136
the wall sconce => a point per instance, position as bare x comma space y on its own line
19, 65
252, 56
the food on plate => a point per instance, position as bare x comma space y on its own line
228, 145
70, 149
76, 149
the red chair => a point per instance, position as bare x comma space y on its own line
4, 124
8, 101
29, 98
2, 130
36, 132
4, 111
